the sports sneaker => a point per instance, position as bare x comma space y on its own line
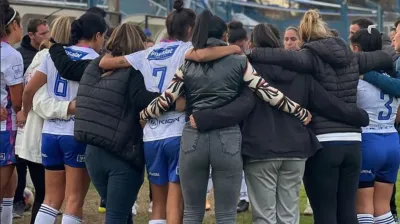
150, 207
243, 206
102, 207
134, 209
308, 211
18, 210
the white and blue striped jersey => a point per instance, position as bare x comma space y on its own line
12, 73
62, 89
381, 108
158, 65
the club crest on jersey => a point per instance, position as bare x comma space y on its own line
2, 156
162, 53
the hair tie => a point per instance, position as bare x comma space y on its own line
12, 18
370, 27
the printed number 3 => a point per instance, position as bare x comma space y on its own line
388, 107
162, 71
60, 87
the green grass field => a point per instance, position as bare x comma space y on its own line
93, 217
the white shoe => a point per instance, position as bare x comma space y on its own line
308, 211
134, 209
150, 207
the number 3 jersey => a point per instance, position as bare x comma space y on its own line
381, 108
62, 89
158, 65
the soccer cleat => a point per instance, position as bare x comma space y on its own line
18, 210
308, 211
243, 206
102, 207
150, 207
208, 206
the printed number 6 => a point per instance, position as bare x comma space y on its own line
60, 87
388, 107
160, 71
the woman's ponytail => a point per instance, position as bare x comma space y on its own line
369, 39
76, 31
201, 28
312, 27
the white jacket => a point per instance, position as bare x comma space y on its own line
29, 138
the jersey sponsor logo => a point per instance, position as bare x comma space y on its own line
44, 155
2, 156
75, 55
72, 118
154, 174
162, 53
81, 158
366, 172
154, 123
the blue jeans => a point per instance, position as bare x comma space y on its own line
116, 181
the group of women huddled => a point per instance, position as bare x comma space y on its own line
207, 96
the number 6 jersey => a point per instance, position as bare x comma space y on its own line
62, 89
381, 108
158, 65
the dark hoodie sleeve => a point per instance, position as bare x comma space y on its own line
299, 61
67, 68
226, 116
138, 93
376, 60
329, 106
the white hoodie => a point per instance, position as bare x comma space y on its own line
29, 138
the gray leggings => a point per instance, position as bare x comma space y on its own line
221, 149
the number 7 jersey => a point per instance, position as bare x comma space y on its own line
381, 108
158, 65
62, 89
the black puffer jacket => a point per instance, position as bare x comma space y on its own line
27, 51
107, 114
213, 84
334, 66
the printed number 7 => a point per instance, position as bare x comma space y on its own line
388, 107
162, 71
60, 86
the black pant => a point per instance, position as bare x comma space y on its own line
331, 181
393, 207
36, 171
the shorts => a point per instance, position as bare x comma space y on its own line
60, 150
380, 158
7, 149
162, 157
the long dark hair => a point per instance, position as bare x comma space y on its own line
369, 39
7, 16
86, 27
207, 26
263, 36
179, 20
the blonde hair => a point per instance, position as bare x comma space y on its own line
60, 31
312, 27
124, 40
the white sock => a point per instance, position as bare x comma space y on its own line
70, 219
365, 218
6, 212
385, 219
46, 215
243, 190
158, 221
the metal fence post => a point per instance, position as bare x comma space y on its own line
380, 18
92, 3
344, 17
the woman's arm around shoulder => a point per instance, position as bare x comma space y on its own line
138, 94
273, 96
68, 69
329, 106
211, 53
384, 82
226, 116
375, 60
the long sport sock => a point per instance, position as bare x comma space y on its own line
385, 219
365, 218
158, 221
6, 212
46, 215
70, 219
